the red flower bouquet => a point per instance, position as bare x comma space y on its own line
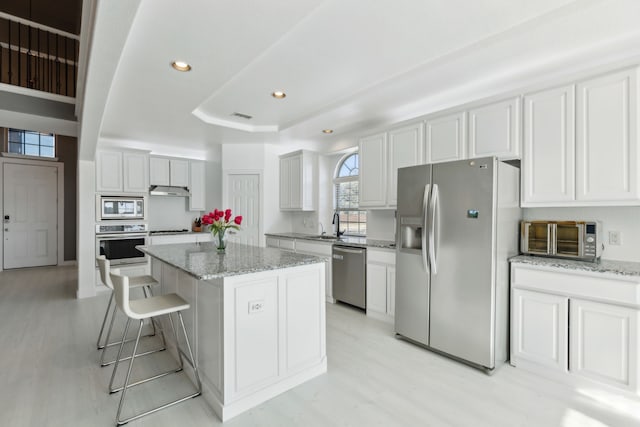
219, 221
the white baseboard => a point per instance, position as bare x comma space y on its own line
72, 262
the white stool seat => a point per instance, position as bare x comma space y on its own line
156, 306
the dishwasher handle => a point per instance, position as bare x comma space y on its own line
349, 251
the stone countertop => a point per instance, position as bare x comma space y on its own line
202, 261
175, 233
623, 268
361, 242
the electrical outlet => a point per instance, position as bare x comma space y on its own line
256, 306
615, 238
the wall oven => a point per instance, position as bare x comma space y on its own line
117, 207
562, 239
117, 242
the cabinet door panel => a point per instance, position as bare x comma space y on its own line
391, 290
197, 186
109, 171
446, 138
159, 171
548, 167
136, 173
179, 173
603, 340
607, 145
376, 288
373, 170
405, 149
295, 182
539, 329
494, 129
285, 183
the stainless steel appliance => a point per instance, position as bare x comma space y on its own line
166, 190
349, 268
457, 225
563, 239
117, 207
118, 242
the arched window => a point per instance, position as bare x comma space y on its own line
352, 220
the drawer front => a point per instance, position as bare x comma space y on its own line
287, 244
322, 249
600, 286
381, 256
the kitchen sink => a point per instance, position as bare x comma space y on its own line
326, 237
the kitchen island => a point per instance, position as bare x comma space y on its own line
256, 322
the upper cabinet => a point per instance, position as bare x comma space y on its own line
494, 129
446, 137
606, 138
122, 172
548, 158
298, 180
197, 201
372, 185
166, 171
582, 150
380, 157
405, 149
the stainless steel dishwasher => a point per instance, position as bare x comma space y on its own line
349, 275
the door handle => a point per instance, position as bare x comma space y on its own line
425, 205
432, 230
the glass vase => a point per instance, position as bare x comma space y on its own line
222, 244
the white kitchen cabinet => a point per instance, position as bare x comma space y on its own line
167, 171
548, 160
321, 249
446, 137
281, 243
604, 343
197, 186
607, 139
109, 171
406, 146
540, 329
494, 129
135, 175
582, 327
298, 179
381, 283
166, 239
122, 172
373, 171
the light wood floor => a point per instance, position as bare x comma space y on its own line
50, 376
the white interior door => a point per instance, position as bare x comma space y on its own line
30, 215
243, 195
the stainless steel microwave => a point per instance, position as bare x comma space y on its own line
116, 207
580, 240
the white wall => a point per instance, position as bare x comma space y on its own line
381, 224
626, 220
213, 178
170, 213
86, 206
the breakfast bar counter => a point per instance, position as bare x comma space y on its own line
257, 318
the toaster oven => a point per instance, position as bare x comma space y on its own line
580, 240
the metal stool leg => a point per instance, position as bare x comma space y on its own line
104, 321
193, 362
126, 380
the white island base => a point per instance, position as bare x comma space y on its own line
256, 335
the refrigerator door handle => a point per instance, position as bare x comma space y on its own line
425, 205
433, 206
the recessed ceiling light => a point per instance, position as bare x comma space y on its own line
278, 94
181, 66
327, 130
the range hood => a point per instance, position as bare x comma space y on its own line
166, 190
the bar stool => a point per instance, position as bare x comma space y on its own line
145, 282
140, 310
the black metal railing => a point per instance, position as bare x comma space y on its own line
38, 57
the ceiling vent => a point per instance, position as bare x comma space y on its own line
242, 116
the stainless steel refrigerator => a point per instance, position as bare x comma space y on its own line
457, 223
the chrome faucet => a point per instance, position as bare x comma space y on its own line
336, 222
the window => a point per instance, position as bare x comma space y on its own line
352, 219
31, 143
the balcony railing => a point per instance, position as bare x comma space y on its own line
37, 57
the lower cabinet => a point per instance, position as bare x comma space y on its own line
604, 340
180, 238
583, 325
381, 283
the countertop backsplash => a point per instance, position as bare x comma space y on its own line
170, 213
